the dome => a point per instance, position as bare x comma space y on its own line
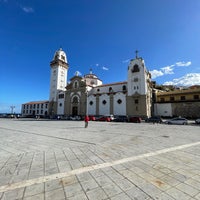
60, 55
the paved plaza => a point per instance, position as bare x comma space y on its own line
57, 160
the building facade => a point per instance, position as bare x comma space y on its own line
179, 102
88, 95
35, 108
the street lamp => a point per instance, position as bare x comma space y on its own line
12, 109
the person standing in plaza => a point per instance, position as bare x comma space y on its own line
86, 121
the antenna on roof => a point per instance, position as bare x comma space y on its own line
90, 70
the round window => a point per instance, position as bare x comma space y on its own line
119, 101
104, 102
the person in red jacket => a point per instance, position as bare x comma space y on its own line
86, 121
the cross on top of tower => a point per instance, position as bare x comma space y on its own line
136, 54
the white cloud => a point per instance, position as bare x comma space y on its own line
102, 67
168, 69
126, 61
105, 68
156, 73
27, 9
183, 64
187, 80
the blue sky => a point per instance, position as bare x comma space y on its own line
98, 34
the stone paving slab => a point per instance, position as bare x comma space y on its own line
43, 159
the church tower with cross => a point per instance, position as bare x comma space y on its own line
138, 88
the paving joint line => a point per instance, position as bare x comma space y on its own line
60, 138
13, 186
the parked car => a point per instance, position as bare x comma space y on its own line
135, 119
154, 119
111, 117
121, 118
177, 120
197, 121
92, 118
104, 119
75, 118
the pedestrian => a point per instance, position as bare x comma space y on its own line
86, 121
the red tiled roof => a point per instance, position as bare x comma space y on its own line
37, 102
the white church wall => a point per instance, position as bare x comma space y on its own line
53, 84
109, 88
91, 105
104, 104
164, 109
60, 107
119, 104
117, 88
61, 78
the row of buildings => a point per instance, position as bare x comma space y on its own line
87, 95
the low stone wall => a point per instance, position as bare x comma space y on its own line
186, 109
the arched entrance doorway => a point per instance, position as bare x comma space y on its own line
75, 105
74, 110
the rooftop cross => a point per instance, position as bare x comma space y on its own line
136, 53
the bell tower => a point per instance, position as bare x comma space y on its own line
138, 86
58, 81
137, 76
59, 69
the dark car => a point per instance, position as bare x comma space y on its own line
121, 118
135, 119
154, 119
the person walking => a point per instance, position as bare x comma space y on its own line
86, 121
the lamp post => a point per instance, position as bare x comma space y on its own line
12, 109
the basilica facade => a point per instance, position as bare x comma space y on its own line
87, 95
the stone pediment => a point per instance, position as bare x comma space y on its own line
79, 78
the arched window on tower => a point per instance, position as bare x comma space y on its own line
135, 68
124, 88
63, 57
56, 57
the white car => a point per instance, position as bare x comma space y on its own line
177, 120
197, 121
